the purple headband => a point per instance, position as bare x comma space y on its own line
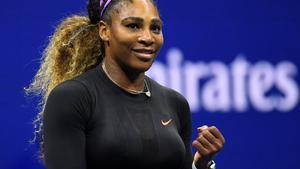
103, 6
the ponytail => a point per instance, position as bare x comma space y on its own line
74, 48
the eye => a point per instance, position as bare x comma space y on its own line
133, 26
156, 29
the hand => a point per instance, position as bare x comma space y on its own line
208, 143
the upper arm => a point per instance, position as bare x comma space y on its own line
65, 117
185, 131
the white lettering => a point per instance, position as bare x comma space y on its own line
261, 81
215, 94
289, 88
239, 73
174, 58
193, 73
217, 87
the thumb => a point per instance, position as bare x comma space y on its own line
197, 156
202, 128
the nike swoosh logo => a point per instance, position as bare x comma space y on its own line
165, 123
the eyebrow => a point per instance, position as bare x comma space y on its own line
140, 20
157, 21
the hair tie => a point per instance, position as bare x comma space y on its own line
103, 6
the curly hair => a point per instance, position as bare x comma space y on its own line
74, 48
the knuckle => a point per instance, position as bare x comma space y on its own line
218, 145
214, 150
197, 145
200, 137
205, 152
194, 142
214, 128
205, 133
213, 138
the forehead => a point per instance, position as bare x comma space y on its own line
138, 8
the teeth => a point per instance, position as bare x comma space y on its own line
148, 52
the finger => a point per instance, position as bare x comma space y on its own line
206, 143
215, 131
202, 128
217, 143
200, 148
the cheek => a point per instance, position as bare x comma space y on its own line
124, 40
125, 45
160, 41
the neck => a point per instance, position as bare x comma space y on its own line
124, 77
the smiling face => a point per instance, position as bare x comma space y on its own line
134, 36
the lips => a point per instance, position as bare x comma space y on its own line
144, 54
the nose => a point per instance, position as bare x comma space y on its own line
146, 38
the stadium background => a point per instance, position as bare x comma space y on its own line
261, 125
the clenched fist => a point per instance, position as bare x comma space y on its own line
208, 143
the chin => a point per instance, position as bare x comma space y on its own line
143, 66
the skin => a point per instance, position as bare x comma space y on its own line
132, 42
208, 143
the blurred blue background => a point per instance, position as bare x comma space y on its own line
236, 61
